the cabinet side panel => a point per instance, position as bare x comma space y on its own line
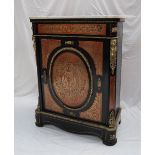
112, 97
119, 63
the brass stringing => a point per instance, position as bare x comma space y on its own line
82, 122
112, 121
113, 50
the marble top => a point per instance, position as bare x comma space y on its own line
79, 17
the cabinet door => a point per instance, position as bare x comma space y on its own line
74, 77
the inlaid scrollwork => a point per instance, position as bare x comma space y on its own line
70, 79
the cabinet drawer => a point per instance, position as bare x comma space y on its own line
78, 29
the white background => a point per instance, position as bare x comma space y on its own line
31, 140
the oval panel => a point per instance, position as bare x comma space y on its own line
70, 79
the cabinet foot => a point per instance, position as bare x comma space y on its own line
107, 134
39, 124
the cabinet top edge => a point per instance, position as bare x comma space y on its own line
79, 18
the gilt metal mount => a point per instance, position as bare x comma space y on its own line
113, 54
112, 120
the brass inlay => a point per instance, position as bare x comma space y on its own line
112, 122
72, 113
114, 29
94, 113
113, 50
112, 137
92, 29
69, 42
89, 68
70, 79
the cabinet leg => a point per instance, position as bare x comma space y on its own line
110, 138
38, 122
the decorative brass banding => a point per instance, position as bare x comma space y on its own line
113, 50
83, 122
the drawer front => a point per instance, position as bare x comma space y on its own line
77, 29
74, 74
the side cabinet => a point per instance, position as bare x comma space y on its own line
79, 70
